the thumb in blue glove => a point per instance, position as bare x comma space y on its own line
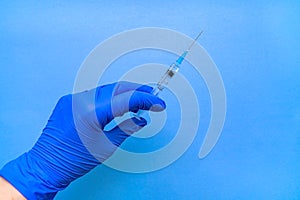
73, 141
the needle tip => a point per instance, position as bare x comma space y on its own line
194, 40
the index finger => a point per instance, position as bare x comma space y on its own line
124, 86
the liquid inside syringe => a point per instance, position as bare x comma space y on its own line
163, 82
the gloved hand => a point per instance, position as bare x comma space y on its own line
74, 142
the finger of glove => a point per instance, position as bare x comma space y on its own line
134, 101
124, 86
124, 130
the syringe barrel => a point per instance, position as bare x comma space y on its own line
163, 82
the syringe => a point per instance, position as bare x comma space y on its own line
173, 69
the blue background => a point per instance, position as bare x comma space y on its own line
255, 46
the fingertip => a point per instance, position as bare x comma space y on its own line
158, 107
146, 101
145, 88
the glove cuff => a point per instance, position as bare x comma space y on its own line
29, 183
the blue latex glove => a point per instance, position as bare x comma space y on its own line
73, 141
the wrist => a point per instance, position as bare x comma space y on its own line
8, 191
